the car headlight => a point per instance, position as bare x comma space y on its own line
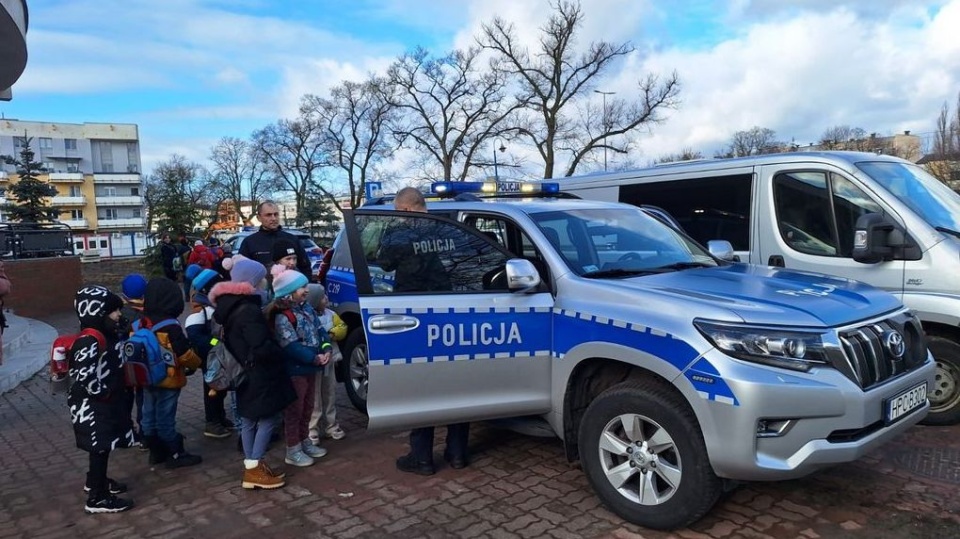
793, 349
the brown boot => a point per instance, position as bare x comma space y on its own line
260, 477
271, 471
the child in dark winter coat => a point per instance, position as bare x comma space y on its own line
266, 391
98, 407
305, 350
162, 301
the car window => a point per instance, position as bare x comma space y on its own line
420, 254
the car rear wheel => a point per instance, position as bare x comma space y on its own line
355, 379
643, 453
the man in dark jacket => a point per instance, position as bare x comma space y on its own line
168, 253
259, 245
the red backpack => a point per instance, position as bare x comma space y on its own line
60, 355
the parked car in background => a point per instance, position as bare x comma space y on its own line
314, 252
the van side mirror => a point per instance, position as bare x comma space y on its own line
875, 238
722, 249
522, 276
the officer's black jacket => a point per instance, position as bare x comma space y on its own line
259, 246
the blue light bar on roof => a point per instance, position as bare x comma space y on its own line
492, 187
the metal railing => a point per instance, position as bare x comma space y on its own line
35, 240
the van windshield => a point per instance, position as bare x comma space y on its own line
933, 201
619, 242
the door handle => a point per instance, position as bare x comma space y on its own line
776, 261
392, 323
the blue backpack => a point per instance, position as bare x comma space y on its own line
145, 362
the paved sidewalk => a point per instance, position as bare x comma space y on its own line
516, 486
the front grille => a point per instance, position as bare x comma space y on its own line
867, 358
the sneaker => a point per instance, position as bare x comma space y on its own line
312, 450
336, 432
409, 464
216, 430
115, 487
314, 436
107, 504
260, 477
296, 457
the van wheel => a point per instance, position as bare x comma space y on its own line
644, 455
355, 379
944, 396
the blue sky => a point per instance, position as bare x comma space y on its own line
191, 71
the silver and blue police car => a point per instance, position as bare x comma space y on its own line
667, 370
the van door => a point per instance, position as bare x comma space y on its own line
807, 219
450, 343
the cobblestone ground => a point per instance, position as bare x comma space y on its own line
516, 486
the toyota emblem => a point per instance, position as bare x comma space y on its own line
894, 342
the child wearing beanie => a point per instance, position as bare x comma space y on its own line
306, 350
284, 256
133, 287
323, 419
201, 330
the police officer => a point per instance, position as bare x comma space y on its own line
259, 245
420, 270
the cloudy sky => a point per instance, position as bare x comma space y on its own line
191, 71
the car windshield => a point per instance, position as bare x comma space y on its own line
619, 242
933, 201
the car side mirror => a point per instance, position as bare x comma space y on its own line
874, 239
522, 275
722, 249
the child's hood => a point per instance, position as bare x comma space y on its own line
93, 304
162, 299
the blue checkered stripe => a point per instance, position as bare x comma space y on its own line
448, 334
572, 328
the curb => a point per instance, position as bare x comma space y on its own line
28, 351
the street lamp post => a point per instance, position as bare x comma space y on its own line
606, 124
502, 148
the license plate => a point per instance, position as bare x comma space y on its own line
896, 407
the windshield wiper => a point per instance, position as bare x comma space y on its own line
950, 231
618, 272
685, 265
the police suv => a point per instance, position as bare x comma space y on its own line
669, 372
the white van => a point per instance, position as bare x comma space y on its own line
872, 218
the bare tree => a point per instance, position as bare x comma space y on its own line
844, 137
686, 154
450, 107
556, 84
293, 155
175, 195
350, 129
944, 163
236, 166
754, 141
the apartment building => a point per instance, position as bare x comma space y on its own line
96, 170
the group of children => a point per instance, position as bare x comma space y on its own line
275, 323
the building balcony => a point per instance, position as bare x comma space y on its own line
119, 201
66, 177
109, 177
69, 201
129, 222
75, 223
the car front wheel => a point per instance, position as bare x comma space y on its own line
643, 453
355, 379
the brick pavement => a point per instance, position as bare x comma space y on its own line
516, 487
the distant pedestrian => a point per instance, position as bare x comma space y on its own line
170, 259
98, 409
